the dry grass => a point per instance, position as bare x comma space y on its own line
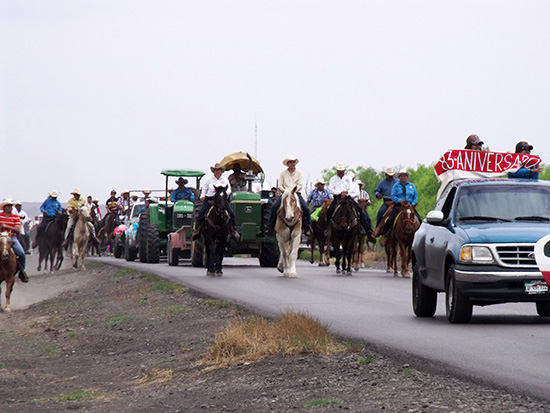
256, 338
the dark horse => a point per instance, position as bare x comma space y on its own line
345, 230
402, 233
49, 244
319, 236
8, 265
106, 233
216, 229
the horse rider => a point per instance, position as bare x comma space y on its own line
50, 209
383, 192
363, 195
403, 193
95, 208
208, 190
90, 202
236, 179
11, 223
25, 226
341, 186
474, 143
112, 203
124, 204
288, 179
73, 208
182, 192
318, 195
523, 147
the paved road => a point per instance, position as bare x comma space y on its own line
505, 344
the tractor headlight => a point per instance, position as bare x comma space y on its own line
476, 254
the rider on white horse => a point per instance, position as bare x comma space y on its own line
290, 178
73, 208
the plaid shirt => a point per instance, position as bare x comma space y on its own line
316, 197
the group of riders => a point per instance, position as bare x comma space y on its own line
395, 192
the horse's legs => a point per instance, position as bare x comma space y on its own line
293, 256
9, 288
312, 243
281, 263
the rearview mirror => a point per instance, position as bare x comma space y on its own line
435, 217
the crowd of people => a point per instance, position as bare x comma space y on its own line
393, 191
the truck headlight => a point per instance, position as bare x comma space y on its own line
472, 254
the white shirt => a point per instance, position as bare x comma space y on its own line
289, 180
337, 185
208, 188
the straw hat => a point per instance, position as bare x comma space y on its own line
403, 171
54, 193
320, 181
217, 166
125, 192
17, 203
340, 166
76, 191
389, 171
6, 201
290, 158
359, 182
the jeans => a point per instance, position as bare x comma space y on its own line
18, 249
303, 205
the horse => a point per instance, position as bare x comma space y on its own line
106, 233
81, 236
288, 228
357, 256
345, 230
95, 222
8, 266
405, 225
319, 235
216, 230
49, 245
385, 240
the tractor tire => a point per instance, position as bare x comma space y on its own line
152, 251
197, 253
141, 236
173, 254
269, 250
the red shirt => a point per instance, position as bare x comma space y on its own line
13, 220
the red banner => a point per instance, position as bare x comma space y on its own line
484, 161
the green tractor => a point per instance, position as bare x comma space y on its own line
165, 227
252, 211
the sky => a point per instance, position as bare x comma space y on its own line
100, 95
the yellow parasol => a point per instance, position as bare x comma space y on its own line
243, 159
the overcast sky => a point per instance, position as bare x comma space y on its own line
104, 94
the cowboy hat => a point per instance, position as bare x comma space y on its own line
403, 171
7, 201
340, 166
359, 182
95, 200
17, 203
217, 166
54, 193
125, 192
183, 181
389, 171
320, 181
290, 158
76, 191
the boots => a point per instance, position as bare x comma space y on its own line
23, 275
306, 228
234, 234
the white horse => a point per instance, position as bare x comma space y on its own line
289, 232
81, 236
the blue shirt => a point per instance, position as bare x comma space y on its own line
317, 197
406, 192
50, 207
524, 173
385, 187
185, 194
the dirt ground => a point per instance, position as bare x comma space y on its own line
122, 341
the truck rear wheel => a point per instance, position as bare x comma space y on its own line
130, 253
117, 250
543, 308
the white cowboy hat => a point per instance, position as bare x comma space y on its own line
320, 181
7, 201
54, 193
217, 166
403, 171
95, 200
359, 182
125, 192
340, 166
290, 158
76, 191
389, 171
17, 203
154, 200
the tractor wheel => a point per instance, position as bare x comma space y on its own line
144, 221
173, 254
152, 251
269, 250
197, 252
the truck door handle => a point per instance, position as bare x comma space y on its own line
431, 240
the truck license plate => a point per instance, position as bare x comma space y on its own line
536, 287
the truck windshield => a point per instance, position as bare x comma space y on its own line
503, 203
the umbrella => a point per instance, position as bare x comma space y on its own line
242, 158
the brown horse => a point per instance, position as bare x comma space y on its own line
357, 257
289, 232
81, 236
106, 233
50, 243
405, 225
319, 235
385, 240
216, 229
8, 266
344, 229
